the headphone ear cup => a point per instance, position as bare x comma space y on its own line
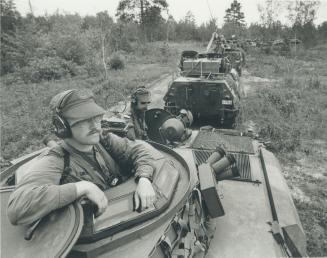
61, 127
133, 98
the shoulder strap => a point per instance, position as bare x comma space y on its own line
116, 174
60, 151
69, 177
67, 169
107, 159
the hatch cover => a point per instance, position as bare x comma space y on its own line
54, 236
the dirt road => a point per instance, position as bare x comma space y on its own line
158, 90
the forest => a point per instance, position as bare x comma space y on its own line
55, 46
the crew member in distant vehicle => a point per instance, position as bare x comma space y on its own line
140, 100
83, 164
220, 42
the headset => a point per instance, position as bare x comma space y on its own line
137, 92
61, 126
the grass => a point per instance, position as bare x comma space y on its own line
291, 114
25, 115
309, 194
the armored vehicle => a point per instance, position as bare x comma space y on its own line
203, 64
207, 86
280, 47
187, 54
265, 47
219, 194
295, 44
216, 96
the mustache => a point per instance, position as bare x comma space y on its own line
93, 131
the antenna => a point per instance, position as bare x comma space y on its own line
31, 8
211, 13
209, 10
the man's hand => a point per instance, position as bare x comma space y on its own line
94, 194
144, 195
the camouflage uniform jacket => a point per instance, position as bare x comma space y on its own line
139, 129
40, 192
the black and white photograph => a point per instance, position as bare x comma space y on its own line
163, 128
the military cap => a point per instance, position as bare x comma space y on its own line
76, 105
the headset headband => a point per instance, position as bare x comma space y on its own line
63, 98
141, 91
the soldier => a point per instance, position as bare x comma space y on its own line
140, 100
220, 44
83, 164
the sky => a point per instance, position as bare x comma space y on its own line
202, 10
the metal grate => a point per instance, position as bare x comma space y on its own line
242, 162
233, 143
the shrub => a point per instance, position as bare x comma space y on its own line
283, 138
165, 52
282, 101
116, 62
46, 68
12, 78
313, 82
125, 45
93, 66
70, 48
74, 69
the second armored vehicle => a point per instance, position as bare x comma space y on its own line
207, 87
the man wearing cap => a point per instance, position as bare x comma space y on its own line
96, 163
140, 100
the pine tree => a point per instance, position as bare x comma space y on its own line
141, 11
234, 15
136, 10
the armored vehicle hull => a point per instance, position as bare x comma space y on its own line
207, 87
249, 215
213, 96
